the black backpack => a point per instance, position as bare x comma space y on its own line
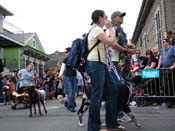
79, 53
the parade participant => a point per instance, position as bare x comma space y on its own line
26, 78
120, 53
123, 48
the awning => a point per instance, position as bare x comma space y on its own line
5, 41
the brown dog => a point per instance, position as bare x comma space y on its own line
35, 97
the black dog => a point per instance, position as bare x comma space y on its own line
126, 95
83, 108
35, 97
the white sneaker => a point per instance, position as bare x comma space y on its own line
163, 104
125, 118
81, 124
103, 124
133, 104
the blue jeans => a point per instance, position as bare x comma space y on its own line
101, 80
70, 85
46, 88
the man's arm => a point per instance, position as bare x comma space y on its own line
172, 67
63, 66
159, 63
118, 47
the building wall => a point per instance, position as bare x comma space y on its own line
148, 37
11, 59
167, 22
170, 14
34, 44
1, 53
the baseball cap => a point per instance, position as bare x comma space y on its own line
117, 13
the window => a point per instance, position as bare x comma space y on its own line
144, 39
34, 43
158, 26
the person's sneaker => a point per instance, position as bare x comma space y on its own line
81, 124
163, 104
133, 104
73, 110
103, 124
154, 104
125, 118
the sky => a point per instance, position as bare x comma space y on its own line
58, 22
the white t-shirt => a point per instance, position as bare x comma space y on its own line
92, 39
79, 78
113, 53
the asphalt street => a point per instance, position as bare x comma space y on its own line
59, 119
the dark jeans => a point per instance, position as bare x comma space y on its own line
101, 80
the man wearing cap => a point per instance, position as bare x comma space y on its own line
120, 50
70, 81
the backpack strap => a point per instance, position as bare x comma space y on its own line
94, 45
97, 49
